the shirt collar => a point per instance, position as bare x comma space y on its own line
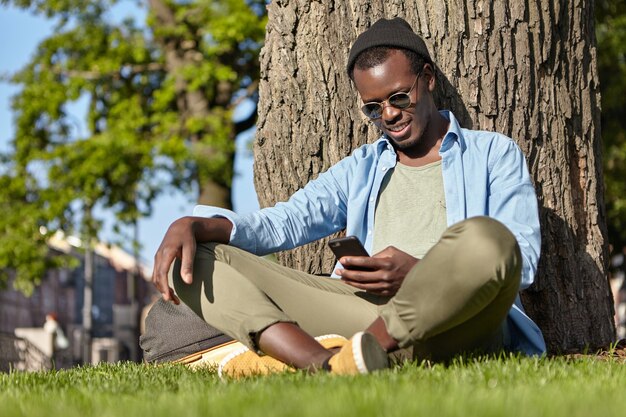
454, 133
382, 145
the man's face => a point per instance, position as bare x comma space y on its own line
404, 127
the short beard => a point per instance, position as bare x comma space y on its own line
401, 146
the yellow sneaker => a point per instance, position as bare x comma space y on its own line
210, 358
332, 341
363, 354
243, 362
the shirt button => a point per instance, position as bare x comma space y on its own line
372, 200
384, 169
369, 232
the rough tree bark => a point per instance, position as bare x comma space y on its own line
523, 68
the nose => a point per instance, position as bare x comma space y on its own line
390, 114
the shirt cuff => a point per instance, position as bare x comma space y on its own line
246, 242
208, 211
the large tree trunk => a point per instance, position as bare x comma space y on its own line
526, 69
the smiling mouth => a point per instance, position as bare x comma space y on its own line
398, 128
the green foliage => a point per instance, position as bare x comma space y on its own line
23, 250
611, 36
494, 387
160, 97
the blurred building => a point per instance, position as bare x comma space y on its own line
618, 287
120, 292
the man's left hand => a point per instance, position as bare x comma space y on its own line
381, 274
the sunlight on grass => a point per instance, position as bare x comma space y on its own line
488, 387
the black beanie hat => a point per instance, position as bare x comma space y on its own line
388, 32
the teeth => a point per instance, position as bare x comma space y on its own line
398, 128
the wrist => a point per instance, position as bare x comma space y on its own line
210, 229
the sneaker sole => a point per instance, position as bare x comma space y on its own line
209, 357
369, 356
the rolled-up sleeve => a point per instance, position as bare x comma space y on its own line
313, 212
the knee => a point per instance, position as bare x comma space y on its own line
488, 241
487, 234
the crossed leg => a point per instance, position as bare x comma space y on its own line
453, 300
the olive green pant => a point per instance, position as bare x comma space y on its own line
454, 300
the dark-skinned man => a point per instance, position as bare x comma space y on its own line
449, 214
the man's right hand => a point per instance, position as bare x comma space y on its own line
180, 242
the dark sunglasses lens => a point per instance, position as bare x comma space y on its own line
400, 100
372, 110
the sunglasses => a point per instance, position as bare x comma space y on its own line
374, 109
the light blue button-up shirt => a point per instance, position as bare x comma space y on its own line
484, 174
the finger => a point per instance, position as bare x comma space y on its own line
373, 288
173, 296
365, 262
162, 264
360, 276
366, 285
186, 261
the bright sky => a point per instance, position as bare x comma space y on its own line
21, 32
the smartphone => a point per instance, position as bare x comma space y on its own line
347, 246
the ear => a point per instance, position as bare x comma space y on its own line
429, 74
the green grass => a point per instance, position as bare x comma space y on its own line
488, 387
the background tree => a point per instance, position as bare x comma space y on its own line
611, 33
526, 69
160, 98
